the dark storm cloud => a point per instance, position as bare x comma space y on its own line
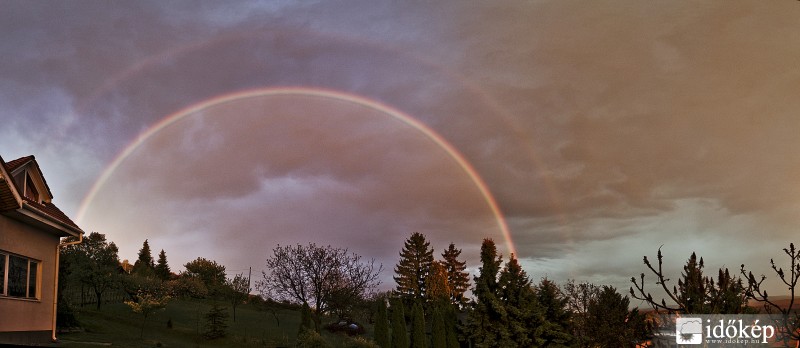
600, 127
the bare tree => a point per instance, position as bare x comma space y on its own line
790, 319
695, 293
237, 290
328, 279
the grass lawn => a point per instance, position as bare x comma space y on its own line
116, 325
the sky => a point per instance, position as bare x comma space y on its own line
596, 132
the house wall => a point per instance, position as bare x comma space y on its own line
21, 317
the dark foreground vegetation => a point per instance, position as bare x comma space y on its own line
321, 296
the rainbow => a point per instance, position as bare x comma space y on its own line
311, 92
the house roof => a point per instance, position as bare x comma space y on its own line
11, 200
21, 162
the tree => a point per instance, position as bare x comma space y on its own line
382, 336
438, 331
329, 279
487, 320
306, 322
451, 322
94, 262
418, 337
579, 297
437, 286
162, 268
554, 331
692, 287
413, 268
216, 322
695, 293
146, 304
399, 328
144, 265
209, 272
237, 290
517, 295
611, 324
790, 318
457, 276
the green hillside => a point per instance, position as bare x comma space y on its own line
116, 325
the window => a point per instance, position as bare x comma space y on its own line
19, 276
27, 186
30, 189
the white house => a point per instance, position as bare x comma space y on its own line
31, 228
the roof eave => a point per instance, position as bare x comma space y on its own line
7, 179
33, 212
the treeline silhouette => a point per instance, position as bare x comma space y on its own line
435, 302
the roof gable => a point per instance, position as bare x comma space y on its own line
24, 193
29, 179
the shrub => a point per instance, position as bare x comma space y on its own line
311, 339
361, 342
347, 327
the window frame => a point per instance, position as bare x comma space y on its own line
31, 273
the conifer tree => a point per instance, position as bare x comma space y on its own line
695, 293
692, 288
399, 328
450, 322
411, 272
438, 333
611, 324
382, 337
418, 337
216, 322
457, 276
487, 322
162, 268
144, 266
438, 288
554, 331
516, 293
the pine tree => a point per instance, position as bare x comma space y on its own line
416, 258
695, 293
487, 323
418, 337
399, 329
692, 288
382, 336
611, 324
162, 268
516, 293
457, 276
144, 266
554, 331
728, 295
216, 323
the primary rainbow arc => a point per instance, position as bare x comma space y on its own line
312, 92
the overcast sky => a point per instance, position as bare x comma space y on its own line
602, 129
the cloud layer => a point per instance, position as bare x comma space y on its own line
602, 129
